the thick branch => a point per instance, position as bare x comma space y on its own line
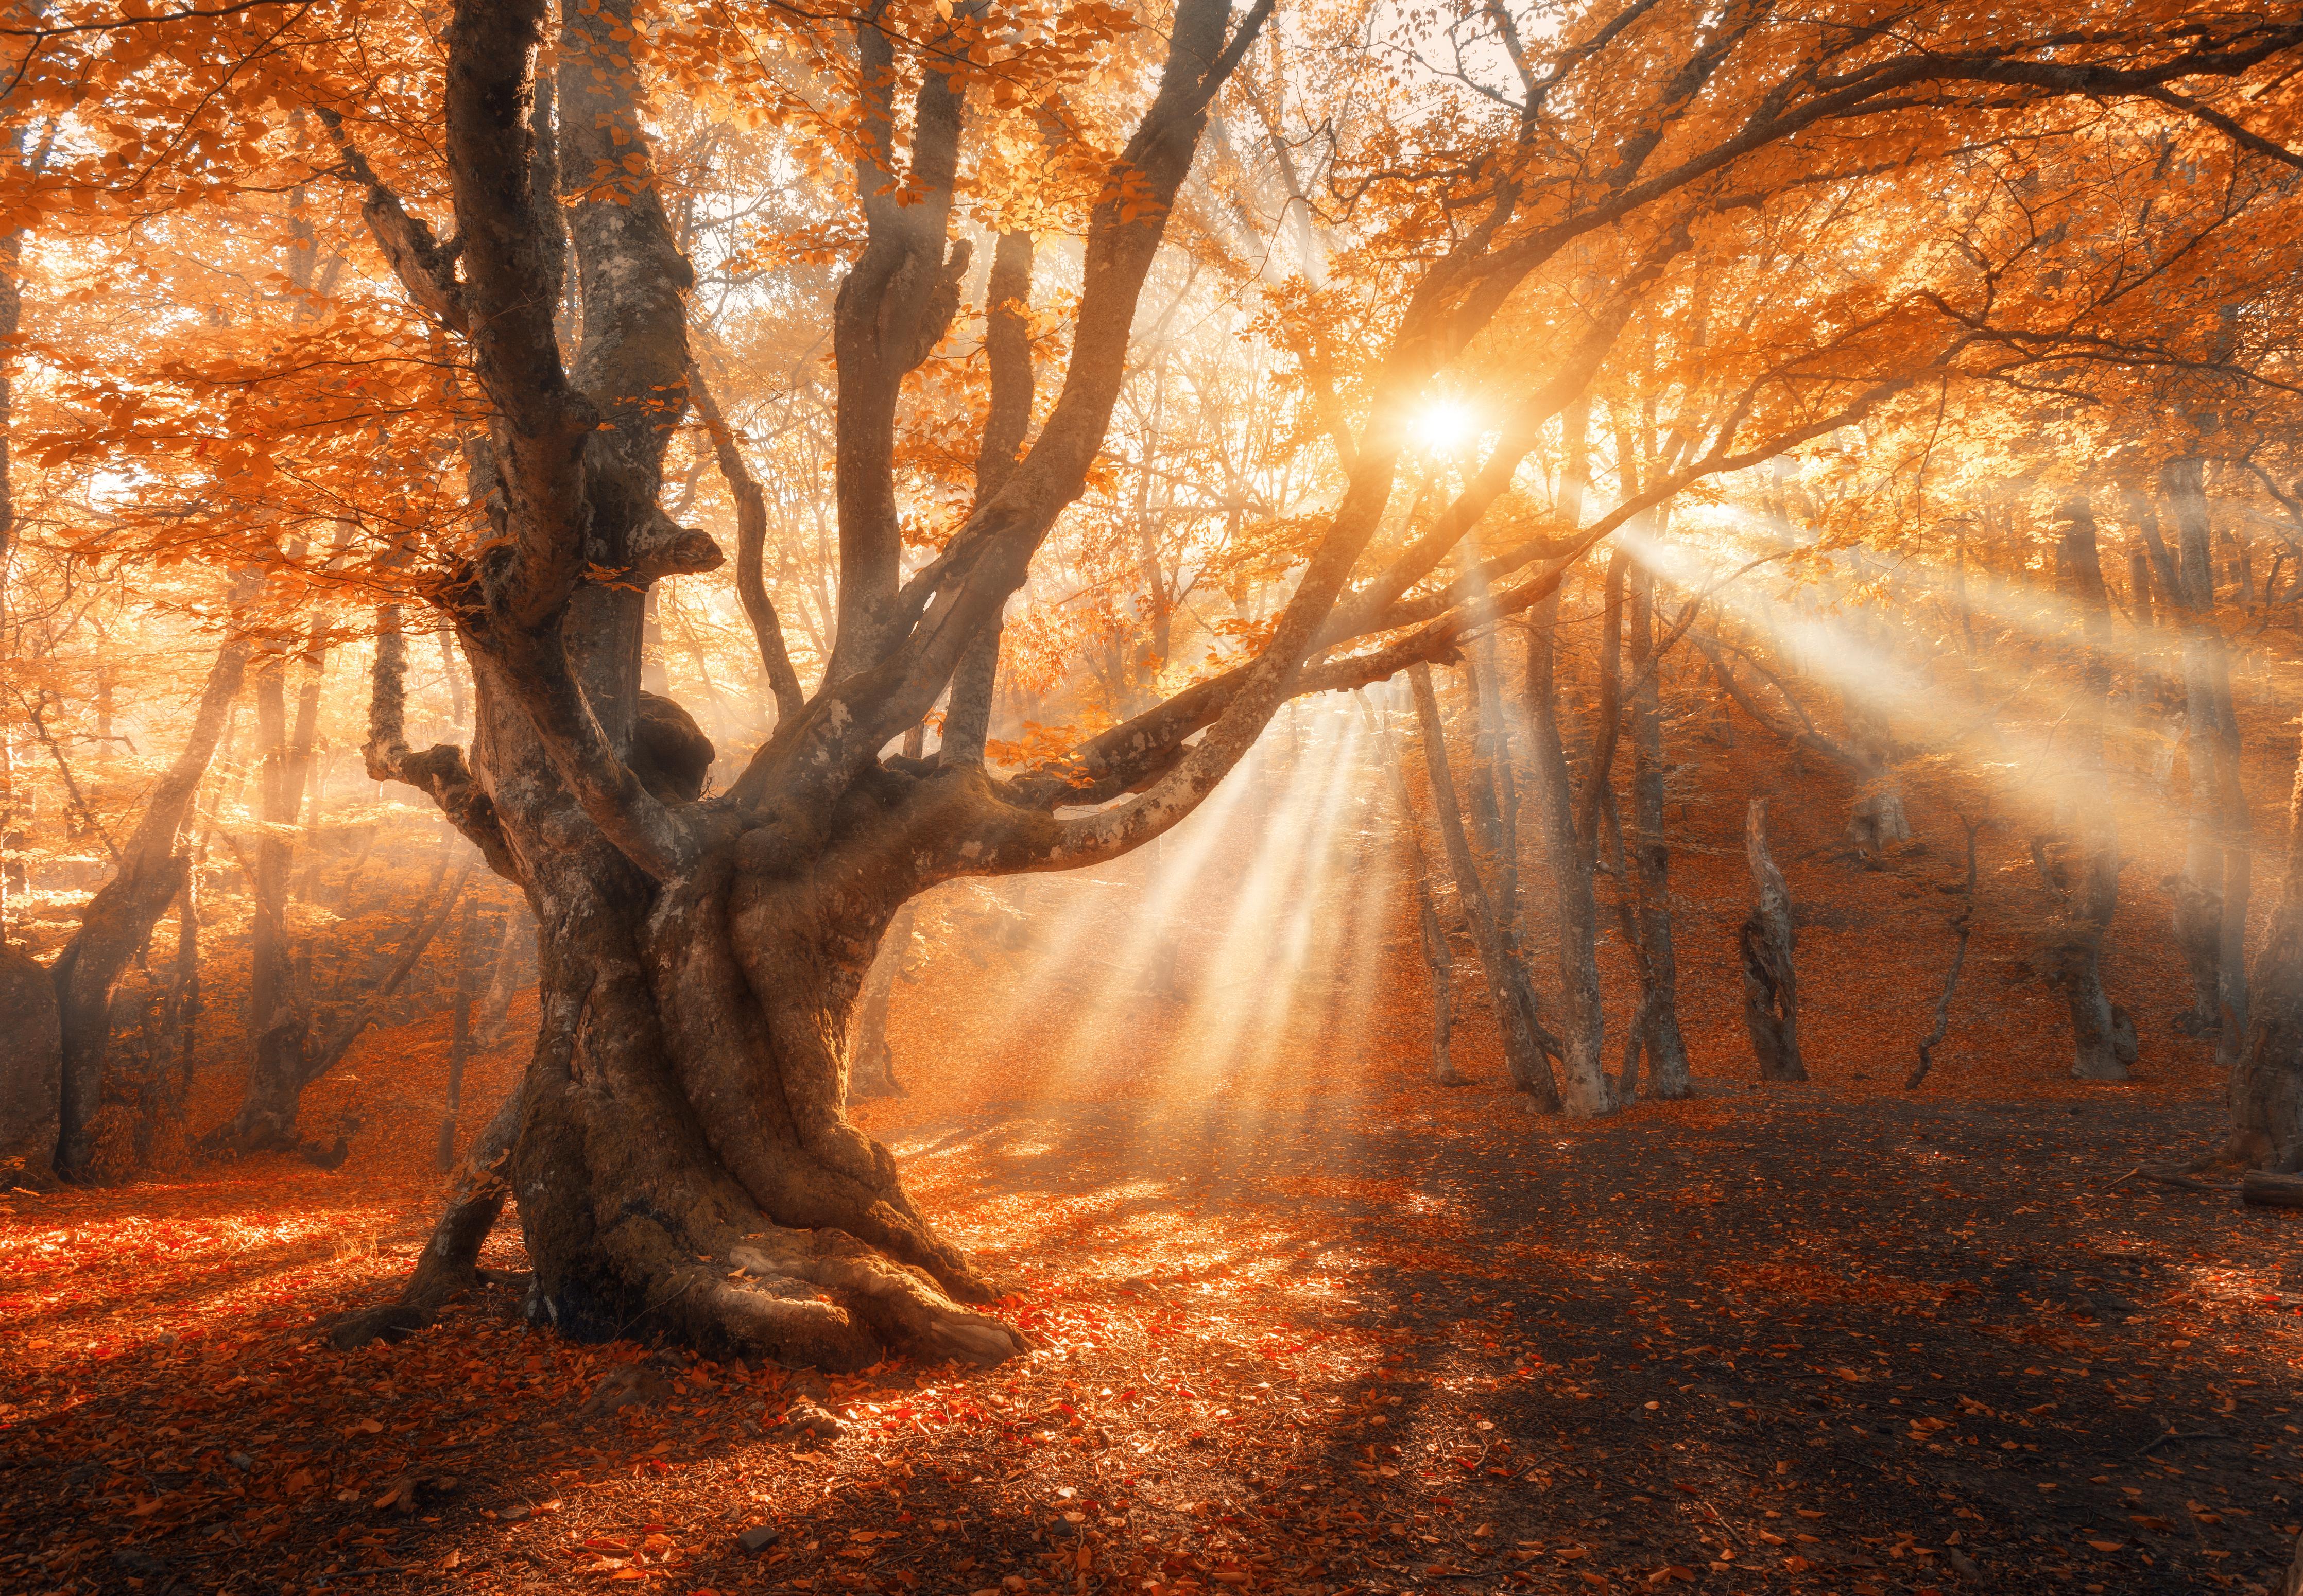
425, 267
510, 291
439, 772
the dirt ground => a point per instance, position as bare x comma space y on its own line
1764, 1341
1303, 1321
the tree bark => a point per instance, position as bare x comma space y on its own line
1767, 942
1007, 421
873, 1074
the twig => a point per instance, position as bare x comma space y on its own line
651, 1308
88, 816
2194, 1435
2184, 1183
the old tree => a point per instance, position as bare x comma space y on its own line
680, 1146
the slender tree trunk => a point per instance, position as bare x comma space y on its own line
1963, 925
1439, 957
2239, 870
2101, 1046
495, 1009
118, 919
266, 1121
2199, 892
279, 1017
873, 1073
1513, 999
1576, 914
2266, 1088
1439, 963
1609, 716
1658, 963
1767, 941
460, 1038
31, 1063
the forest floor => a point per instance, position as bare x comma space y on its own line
1302, 1322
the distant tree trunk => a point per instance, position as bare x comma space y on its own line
2102, 1047
1607, 717
871, 1069
1508, 991
460, 1037
874, 1072
2239, 870
1963, 924
270, 1101
1658, 961
279, 1016
1507, 802
495, 1009
1576, 915
118, 920
1486, 813
169, 1070
1439, 958
1770, 984
1439, 964
2200, 891
2266, 1088
30, 1065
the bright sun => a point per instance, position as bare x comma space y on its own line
1444, 424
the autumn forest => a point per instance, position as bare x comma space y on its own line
1033, 796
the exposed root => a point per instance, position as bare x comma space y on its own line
449, 1267
818, 1299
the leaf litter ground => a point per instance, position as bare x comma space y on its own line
1302, 1322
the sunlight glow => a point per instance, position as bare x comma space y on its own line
1445, 425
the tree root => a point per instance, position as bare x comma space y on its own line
450, 1265
818, 1298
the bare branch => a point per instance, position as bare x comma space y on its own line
751, 547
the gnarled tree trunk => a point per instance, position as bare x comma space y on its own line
679, 1148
